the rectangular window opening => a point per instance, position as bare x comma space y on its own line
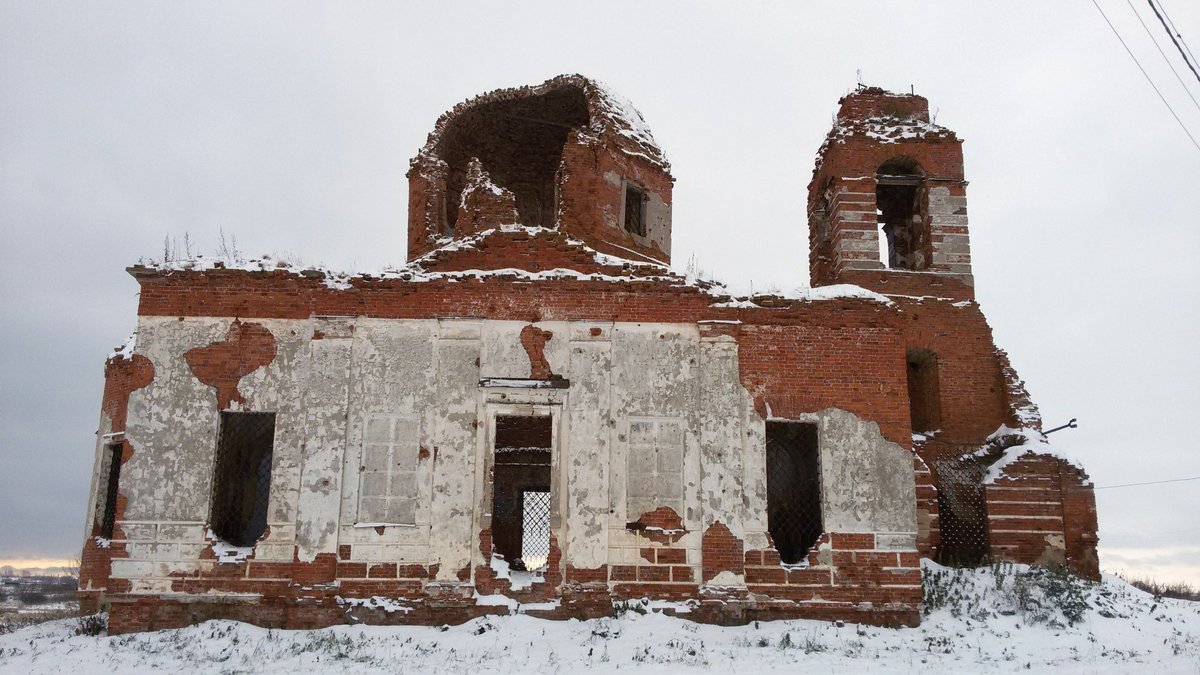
902, 233
521, 490
793, 488
110, 487
923, 395
242, 477
635, 210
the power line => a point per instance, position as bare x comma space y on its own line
1153, 482
1146, 75
1173, 34
1176, 32
1164, 54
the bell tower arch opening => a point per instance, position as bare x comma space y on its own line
901, 206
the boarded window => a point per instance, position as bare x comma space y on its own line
106, 499
655, 467
388, 475
242, 477
635, 211
793, 488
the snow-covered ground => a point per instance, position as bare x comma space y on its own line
1004, 619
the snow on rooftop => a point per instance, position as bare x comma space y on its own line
625, 271
628, 121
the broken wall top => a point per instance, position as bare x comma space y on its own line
607, 112
874, 126
566, 154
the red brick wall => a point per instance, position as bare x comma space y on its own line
1043, 511
794, 369
843, 570
589, 199
970, 380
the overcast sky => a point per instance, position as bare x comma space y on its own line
290, 125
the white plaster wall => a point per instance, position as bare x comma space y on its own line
393, 375
323, 390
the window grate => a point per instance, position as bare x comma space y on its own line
108, 519
793, 489
242, 477
962, 513
535, 530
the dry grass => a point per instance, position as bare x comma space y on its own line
1180, 590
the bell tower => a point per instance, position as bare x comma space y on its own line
887, 205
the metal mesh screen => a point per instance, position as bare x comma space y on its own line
793, 488
112, 481
961, 510
535, 528
242, 480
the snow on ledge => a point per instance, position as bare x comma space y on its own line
517, 579
1033, 442
806, 294
225, 551
388, 605
125, 351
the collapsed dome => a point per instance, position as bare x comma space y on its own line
513, 142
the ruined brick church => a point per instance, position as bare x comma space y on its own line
536, 414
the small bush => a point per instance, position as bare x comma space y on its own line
92, 624
1049, 595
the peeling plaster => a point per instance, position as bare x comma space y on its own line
328, 375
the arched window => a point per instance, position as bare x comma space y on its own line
900, 204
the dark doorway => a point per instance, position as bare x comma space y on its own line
793, 488
521, 490
242, 478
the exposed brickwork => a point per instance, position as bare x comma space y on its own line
493, 163
1043, 511
662, 526
483, 204
970, 380
843, 571
928, 526
721, 552
221, 365
534, 340
797, 369
122, 376
565, 171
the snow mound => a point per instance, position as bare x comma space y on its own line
999, 619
